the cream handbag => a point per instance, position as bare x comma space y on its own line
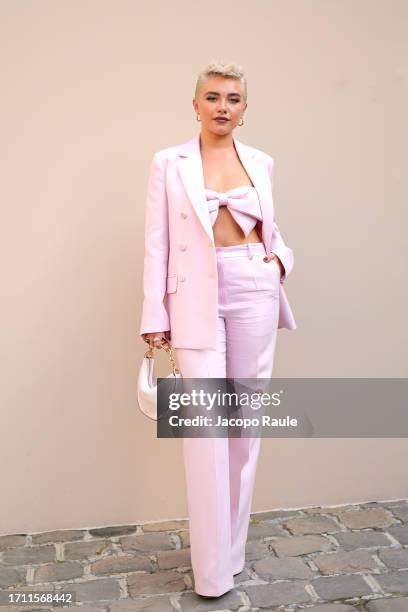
147, 381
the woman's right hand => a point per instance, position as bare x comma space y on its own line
156, 338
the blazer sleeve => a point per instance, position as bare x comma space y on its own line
154, 316
278, 245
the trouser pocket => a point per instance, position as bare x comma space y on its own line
266, 275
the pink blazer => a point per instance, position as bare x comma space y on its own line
180, 268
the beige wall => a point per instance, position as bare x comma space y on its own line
90, 90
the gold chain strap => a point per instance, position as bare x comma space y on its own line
168, 349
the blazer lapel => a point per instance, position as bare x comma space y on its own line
191, 171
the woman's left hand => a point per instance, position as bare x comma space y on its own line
271, 256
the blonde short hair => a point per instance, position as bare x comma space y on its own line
216, 68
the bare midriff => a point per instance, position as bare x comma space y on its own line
227, 232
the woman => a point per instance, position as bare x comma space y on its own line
214, 266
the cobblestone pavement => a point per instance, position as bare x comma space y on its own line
338, 559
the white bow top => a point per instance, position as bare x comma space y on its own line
242, 202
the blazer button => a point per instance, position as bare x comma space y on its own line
183, 247
183, 215
182, 278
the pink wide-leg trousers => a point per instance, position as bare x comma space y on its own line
220, 472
